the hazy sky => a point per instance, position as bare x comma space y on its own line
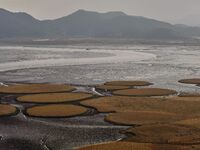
158, 9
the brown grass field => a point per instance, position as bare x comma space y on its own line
189, 95
55, 110
7, 110
190, 81
142, 118
188, 98
129, 104
53, 97
111, 87
194, 122
133, 146
35, 88
165, 134
128, 83
145, 92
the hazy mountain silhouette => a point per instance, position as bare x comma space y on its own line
90, 24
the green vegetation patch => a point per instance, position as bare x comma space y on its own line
35, 88
53, 97
142, 118
128, 83
145, 92
165, 134
7, 110
190, 81
132, 146
55, 110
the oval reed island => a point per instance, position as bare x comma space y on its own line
53, 97
128, 83
142, 118
111, 87
55, 111
145, 92
190, 81
186, 107
131, 146
35, 88
165, 134
7, 110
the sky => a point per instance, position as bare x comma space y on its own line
165, 10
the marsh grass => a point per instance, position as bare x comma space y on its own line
165, 133
7, 110
53, 97
111, 87
55, 111
183, 94
145, 92
131, 146
129, 104
142, 118
35, 88
186, 98
128, 83
190, 81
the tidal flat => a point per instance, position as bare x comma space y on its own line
87, 68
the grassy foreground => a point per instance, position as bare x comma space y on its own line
159, 119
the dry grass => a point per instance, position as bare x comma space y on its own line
189, 95
128, 83
111, 87
142, 118
145, 92
129, 104
131, 146
194, 122
57, 110
190, 81
7, 110
165, 134
189, 98
53, 97
35, 88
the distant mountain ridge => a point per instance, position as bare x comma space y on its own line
84, 24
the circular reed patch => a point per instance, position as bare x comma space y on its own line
189, 95
129, 104
55, 110
7, 110
128, 83
35, 88
142, 118
190, 81
53, 97
194, 122
145, 92
188, 98
131, 146
165, 134
111, 87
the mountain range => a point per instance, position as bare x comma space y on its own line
88, 24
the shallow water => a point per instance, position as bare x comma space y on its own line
163, 65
